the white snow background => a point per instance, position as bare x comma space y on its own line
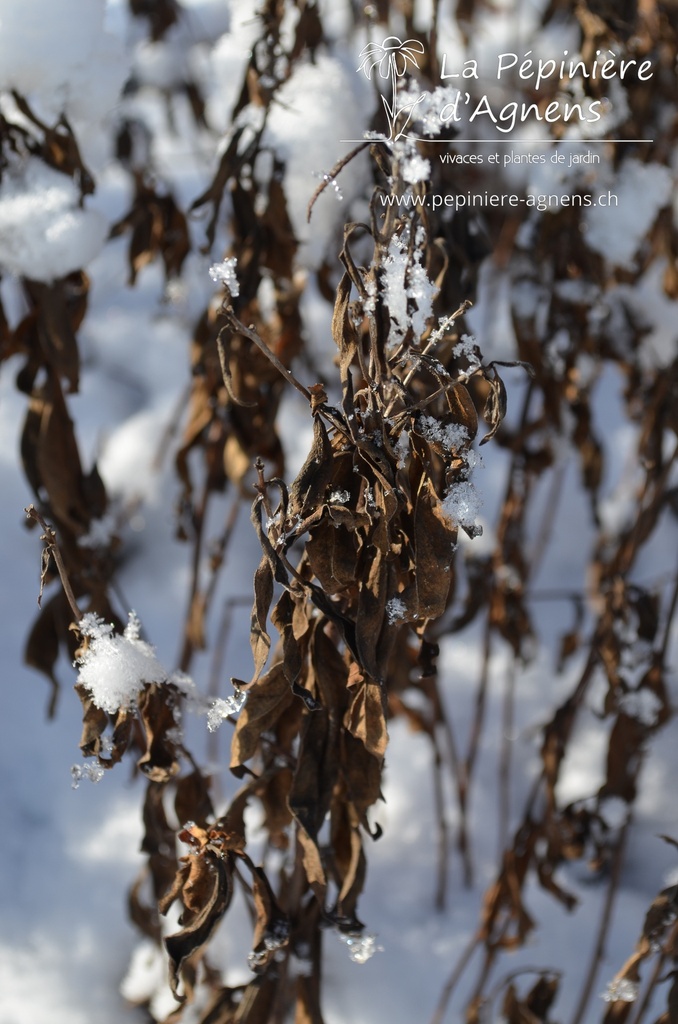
67, 855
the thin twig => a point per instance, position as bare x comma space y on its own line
49, 537
474, 741
443, 834
458, 774
669, 620
249, 332
603, 928
226, 375
644, 1004
548, 518
187, 645
453, 979
504, 781
331, 175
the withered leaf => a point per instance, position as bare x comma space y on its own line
282, 617
94, 723
272, 927
143, 915
434, 541
353, 880
207, 889
462, 408
365, 718
495, 406
192, 801
49, 630
260, 641
158, 841
267, 699
623, 758
361, 775
316, 771
156, 704
55, 329
51, 458
257, 1001
370, 615
308, 490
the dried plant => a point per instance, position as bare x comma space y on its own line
360, 572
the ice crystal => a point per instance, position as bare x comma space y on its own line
224, 272
462, 504
339, 497
451, 435
416, 168
395, 610
221, 709
407, 289
361, 948
621, 990
92, 771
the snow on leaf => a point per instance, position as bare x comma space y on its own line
112, 667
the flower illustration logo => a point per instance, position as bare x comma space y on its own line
392, 58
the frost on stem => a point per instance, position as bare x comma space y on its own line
408, 292
224, 273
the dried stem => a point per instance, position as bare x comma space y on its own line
51, 546
453, 980
443, 834
644, 1004
331, 175
504, 780
474, 743
604, 926
251, 334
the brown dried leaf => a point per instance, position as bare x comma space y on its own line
207, 889
192, 801
495, 405
623, 758
434, 541
52, 460
49, 630
365, 718
158, 841
94, 723
370, 614
55, 327
260, 641
156, 704
308, 490
267, 698
316, 772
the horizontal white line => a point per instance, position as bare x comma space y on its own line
513, 142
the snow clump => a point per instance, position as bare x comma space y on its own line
115, 667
